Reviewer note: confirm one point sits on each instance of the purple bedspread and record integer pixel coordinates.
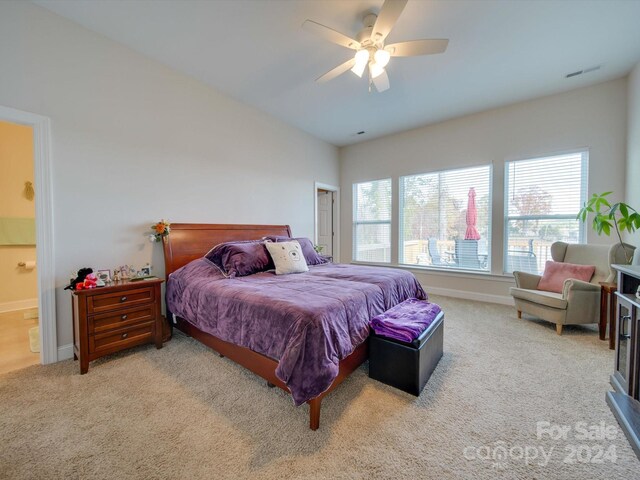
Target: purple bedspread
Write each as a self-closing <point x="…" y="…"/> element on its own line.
<point x="307" y="322"/>
<point x="406" y="321"/>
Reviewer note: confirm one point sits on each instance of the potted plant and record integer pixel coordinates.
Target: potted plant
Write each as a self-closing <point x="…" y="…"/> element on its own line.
<point x="619" y="216"/>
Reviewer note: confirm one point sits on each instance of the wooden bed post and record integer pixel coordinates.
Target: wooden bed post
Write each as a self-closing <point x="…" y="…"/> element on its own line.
<point x="314" y="413"/>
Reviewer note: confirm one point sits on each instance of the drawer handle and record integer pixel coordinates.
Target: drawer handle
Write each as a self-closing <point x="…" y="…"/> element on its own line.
<point x="125" y="335"/>
<point x="123" y="317"/>
<point x="123" y="299"/>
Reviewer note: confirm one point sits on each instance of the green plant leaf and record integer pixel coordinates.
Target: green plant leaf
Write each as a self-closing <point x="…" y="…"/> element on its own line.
<point x="607" y="216"/>
<point x="624" y="211"/>
<point x="622" y="223"/>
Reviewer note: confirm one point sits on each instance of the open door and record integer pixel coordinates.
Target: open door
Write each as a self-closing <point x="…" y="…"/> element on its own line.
<point x="327" y="220"/>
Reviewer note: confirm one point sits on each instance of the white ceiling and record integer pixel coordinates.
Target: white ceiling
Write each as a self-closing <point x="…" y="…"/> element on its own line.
<point x="499" y="52"/>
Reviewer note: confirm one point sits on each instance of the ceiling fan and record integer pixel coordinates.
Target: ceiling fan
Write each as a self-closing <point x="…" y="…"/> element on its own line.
<point x="369" y="45"/>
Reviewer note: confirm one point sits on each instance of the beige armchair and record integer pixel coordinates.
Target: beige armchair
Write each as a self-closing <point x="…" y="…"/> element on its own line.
<point x="579" y="302"/>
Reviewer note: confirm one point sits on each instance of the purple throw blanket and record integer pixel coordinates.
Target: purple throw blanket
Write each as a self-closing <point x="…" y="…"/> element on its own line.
<point x="406" y="321"/>
<point x="307" y="322"/>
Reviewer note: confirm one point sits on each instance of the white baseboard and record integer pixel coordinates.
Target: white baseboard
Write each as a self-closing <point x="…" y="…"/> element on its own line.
<point x="65" y="352"/>
<point x="19" y="305"/>
<point x="480" y="297"/>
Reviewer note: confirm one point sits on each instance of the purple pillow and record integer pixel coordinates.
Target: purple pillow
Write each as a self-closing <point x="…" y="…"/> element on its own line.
<point x="310" y="254"/>
<point x="238" y="259"/>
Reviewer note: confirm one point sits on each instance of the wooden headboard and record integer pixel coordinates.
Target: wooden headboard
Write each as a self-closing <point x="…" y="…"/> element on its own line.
<point x="188" y="241"/>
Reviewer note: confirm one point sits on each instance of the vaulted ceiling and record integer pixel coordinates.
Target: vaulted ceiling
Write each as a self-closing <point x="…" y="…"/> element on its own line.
<point x="255" y="51"/>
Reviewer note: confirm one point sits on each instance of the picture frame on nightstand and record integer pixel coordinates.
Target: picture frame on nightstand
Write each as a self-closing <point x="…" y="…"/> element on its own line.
<point x="104" y="275"/>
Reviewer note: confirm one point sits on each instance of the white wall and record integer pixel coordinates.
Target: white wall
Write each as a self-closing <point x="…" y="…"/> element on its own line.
<point x="632" y="196"/>
<point x="134" y="141"/>
<point x="593" y="117"/>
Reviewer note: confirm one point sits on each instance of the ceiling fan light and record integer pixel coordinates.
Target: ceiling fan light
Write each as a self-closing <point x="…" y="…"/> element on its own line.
<point x="382" y="57"/>
<point x="361" y="58"/>
<point x="375" y="69"/>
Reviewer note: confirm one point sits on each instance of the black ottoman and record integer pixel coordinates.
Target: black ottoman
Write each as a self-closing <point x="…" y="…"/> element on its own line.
<point x="407" y="366"/>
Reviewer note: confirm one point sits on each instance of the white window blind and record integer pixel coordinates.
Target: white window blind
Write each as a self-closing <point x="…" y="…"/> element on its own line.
<point x="372" y="221"/>
<point x="446" y="219"/>
<point x="543" y="197"/>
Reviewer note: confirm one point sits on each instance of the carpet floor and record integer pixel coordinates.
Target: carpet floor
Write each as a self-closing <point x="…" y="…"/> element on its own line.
<point x="182" y="412"/>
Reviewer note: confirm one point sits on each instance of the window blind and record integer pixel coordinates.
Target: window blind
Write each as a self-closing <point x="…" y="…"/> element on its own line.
<point x="543" y="197"/>
<point x="446" y="219"/>
<point x="372" y="221"/>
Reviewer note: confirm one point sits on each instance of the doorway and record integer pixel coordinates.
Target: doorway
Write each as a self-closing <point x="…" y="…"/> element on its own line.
<point x="31" y="255"/>
<point x="20" y="339"/>
<point x="326" y="220"/>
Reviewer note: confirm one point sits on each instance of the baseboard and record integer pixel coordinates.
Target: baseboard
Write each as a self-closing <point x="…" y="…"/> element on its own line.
<point x="19" y="305"/>
<point x="480" y="297"/>
<point x="65" y="352"/>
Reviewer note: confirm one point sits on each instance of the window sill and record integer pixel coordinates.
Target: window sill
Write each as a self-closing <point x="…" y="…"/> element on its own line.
<point x="448" y="272"/>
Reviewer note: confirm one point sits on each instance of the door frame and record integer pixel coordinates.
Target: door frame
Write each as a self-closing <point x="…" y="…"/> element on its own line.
<point x="335" y="215"/>
<point x="44" y="226"/>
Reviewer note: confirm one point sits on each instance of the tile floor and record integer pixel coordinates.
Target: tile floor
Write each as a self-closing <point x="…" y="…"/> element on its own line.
<point x="14" y="341"/>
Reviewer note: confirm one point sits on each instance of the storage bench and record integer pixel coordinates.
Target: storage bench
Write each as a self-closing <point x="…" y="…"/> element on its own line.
<point x="407" y="366"/>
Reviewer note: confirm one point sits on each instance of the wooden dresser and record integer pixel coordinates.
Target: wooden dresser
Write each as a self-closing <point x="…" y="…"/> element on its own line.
<point x="114" y="318"/>
<point x="625" y="400"/>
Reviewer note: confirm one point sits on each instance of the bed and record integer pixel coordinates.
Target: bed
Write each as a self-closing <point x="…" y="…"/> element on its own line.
<point x="304" y="333"/>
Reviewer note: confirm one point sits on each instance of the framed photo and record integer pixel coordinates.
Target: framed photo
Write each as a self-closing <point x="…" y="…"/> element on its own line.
<point x="104" y="275"/>
<point x="124" y="272"/>
<point x="145" y="271"/>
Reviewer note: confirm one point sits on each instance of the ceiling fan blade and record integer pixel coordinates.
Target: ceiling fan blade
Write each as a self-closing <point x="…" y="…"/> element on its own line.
<point x="417" y="47"/>
<point x="339" y="70"/>
<point x="381" y="82"/>
<point x="387" y="18"/>
<point x="330" y="34"/>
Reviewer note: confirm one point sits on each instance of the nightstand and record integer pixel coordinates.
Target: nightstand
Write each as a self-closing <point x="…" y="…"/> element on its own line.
<point x="120" y="316"/>
<point x="608" y="298"/>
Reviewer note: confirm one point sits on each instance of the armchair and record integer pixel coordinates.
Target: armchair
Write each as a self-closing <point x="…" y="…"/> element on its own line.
<point x="579" y="302"/>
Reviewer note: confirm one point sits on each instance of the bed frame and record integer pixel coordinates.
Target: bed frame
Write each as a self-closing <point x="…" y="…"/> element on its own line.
<point x="189" y="241"/>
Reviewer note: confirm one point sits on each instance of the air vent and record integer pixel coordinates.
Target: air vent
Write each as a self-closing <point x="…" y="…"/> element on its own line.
<point x="580" y="72"/>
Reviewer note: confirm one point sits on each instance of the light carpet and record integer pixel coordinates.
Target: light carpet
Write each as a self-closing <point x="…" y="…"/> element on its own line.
<point x="184" y="413"/>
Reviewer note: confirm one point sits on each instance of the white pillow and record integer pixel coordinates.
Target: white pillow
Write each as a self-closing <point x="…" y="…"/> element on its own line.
<point x="287" y="257"/>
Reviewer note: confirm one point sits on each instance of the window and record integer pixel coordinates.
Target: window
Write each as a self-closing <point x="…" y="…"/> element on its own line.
<point x="446" y="219"/>
<point x="543" y="197"/>
<point x="372" y="221"/>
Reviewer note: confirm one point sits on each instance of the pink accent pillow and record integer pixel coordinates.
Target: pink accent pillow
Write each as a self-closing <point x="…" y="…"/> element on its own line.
<point x="555" y="273"/>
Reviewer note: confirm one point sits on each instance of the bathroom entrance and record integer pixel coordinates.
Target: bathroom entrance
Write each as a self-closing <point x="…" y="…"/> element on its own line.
<point x="19" y="322"/>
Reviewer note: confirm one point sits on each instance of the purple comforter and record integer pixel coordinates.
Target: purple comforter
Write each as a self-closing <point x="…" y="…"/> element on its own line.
<point x="308" y="322"/>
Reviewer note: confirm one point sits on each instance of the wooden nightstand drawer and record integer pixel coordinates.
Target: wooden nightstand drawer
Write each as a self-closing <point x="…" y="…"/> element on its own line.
<point x="110" y="301"/>
<point x="121" y="318"/>
<point x="122" y="338"/>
